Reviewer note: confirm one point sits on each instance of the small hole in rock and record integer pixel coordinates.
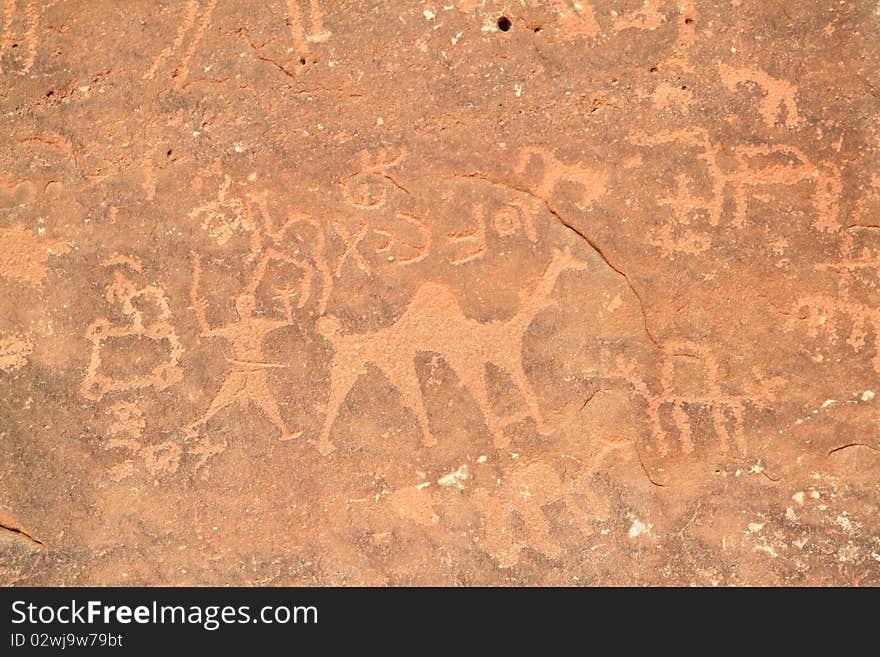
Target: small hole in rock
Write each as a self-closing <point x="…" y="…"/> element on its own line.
<point x="504" y="23"/>
<point x="15" y="45"/>
<point x="653" y="69"/>
<point x="536" y="30"/>
<point x="50" y="93"/>
<point x="302" y="60"/>
<point x="688" y="21"/>
<point x="169" y="152"/>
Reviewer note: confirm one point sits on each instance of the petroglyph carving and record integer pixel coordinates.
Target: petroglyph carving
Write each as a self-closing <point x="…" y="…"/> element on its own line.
<point x="509" y="219"/>
<point x="278" y="251"/>
<point x="525" y="490"/>
<point x="434" y="322"/>
<point x="25" y="254"/>
<point x="779" y="95"/>
<point x="405" y="240"/>
<point x="14" y="352"/>
<point x="149" y="317"/>
<point x="195" y="22"/>
<point x="475" y="238"/>
<point x="786" y="165"/>
<point x="859" y="254"/>
<point x="681" y="400"/>
<point x="689" y="208"/>
<point x="401" y="250"/>
<point x="225" y="215"/>
<point x="127" y="418"/>
<point x="161" y="458"/>
<point x="828" y="316"/>
<point x="367" y="188"/>
<point x="316" y="34"/>
<point x="247" y="381"/>
<point x="20" y="27"/>
<point x="471" y="243"/>
<point x="553" y="172"/>
<point x="351" y="238"/>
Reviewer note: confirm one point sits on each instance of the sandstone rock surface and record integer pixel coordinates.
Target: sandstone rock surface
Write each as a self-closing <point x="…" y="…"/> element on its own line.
<point x="457" y="293"/>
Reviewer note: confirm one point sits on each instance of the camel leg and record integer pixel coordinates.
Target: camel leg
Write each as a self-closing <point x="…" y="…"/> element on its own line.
<point x="342" y="378"/>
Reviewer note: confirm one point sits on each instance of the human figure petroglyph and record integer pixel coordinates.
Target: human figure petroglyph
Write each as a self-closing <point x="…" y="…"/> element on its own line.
<point x="270" y="242"/>
<point x="689" y="208"/>
<point x="434" y="322"/>
<point x="247" y="381"/>
<point x="196" y="19"/>
<point x="27" y="21"/>
<point x="553" y="172"/>
<point x="792" y="167"/>
<point x="779" y="95"/>
<point x="157" y="327"/>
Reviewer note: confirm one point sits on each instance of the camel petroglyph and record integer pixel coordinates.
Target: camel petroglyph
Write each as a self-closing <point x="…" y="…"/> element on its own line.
<point x="434" y="322"/>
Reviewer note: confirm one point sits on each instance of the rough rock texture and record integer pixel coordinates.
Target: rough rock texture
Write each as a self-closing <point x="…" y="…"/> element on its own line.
<point x="313" y="292"/>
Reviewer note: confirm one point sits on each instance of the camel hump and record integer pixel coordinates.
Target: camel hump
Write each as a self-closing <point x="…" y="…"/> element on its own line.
<point x="433" y="300"/>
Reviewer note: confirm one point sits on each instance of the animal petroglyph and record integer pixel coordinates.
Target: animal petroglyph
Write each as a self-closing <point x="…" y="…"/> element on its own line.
<point x="554" y="172"/>
<point x="195" y="22"/>
<point x="434" y="322"/>
<point x="247" y="381"/>
<point x="25" y="254"/>
<point x="725" y="410"/>
<point x="778" y="95"/>
<point x="14" y="352"/>
<point x="149" y="317"/>
<point x="780" y="164"/>
<point x="20" y="23"/>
